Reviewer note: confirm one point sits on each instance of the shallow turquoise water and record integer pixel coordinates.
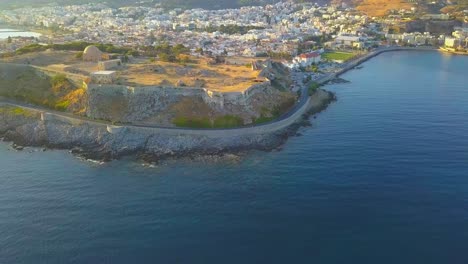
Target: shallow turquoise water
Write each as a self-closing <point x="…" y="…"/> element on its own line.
<point x="381" y="177"/>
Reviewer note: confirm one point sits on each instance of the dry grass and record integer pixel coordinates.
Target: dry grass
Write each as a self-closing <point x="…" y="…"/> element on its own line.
<point x="44" y="58"/>
<point x="381" y="7"/>
<point x="223" y="77"/>
<point x="61" y="61"/>
<point x="226" y="78"/>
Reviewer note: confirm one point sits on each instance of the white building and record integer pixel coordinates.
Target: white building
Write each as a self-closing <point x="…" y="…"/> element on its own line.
<point x="451" y="42"/>
<point x="349" y="41"/>
<point x="305" y="60"/>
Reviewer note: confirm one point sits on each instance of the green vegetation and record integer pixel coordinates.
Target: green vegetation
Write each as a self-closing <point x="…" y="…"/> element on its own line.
<point x="16" y="111"/>
<point x="31" y="48"/>
<point x="62" y="106"/>
<point x="192" y="122"/>
<point x="72" y="46"/>
<point x="279" y="55"/>
<point x="168" y="53"/>
<point x="79" y="55"/>
<point x="311" y="68"/>
<point x="313" y="88"/>
<point x="58" y="80"/>
<point x="263" y="119"/>
<point x="230" y="29"/>
<point x="23" y="83"/>
<point x="268" y="116"/>
<point x="283" y="107"/>
<point x="340" y="56"/>
<point x="81" y="45"/>
<point x="227" y="121"/>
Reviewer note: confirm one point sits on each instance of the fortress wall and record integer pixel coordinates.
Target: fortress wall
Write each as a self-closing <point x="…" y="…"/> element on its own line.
<point x="75" y="79"/>
<point x="128" y="104"/>
<point x="219" y="99"/>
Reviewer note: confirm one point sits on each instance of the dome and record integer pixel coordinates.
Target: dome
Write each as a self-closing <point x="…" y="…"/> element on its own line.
<point x="91" y="50"/>
<point x="92" y="53"/>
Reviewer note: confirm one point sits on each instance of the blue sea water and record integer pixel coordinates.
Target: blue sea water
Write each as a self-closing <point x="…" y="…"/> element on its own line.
<point x="5" y="33"/>
<point x="381" y="177"/>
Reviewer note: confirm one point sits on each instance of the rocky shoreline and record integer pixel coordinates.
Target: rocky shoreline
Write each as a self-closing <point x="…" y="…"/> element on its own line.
<point x="96" y="141"/>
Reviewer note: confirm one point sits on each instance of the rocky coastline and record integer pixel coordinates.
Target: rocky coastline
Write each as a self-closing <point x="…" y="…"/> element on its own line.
<point x="96" y="141"/>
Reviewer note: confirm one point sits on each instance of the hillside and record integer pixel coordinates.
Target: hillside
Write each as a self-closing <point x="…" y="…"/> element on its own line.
<point x="381" y="7"/>
<point x="370" y="7"/>
<point x="208" y="4"/>
<point x="28" y="84"/>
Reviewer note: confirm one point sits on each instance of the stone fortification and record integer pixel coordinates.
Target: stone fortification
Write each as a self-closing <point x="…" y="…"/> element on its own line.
<point x="129" y="104"/>
<point x="220" y="99"/>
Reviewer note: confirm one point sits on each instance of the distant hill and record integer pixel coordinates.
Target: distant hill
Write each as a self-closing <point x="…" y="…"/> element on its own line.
<point x="370" y="7"/>
<point x="381" y="7"/>
<point x="209" y="4"/>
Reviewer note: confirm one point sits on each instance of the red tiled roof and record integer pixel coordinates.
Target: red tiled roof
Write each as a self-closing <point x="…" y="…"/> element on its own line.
<point x="309" y="55"/>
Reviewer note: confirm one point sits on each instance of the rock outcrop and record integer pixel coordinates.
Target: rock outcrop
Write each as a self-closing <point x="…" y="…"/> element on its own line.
<point x="106" y="142"/>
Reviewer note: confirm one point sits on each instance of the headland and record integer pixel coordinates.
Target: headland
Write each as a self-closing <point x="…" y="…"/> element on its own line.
<point x="96" y="138"/>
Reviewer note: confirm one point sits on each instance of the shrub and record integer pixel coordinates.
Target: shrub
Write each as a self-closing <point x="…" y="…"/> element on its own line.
<point x="59" y="82"/>
<point x="16" y="111"/>
<point x="263" y="119"/>
<point x="228" y="121"/>
<point x="192" y="122"/>
<point x="313" y="87"/>
<point x="31" y="48"/>
<point x="63" y="105"/>
<point x="79" y="55"/>
<point x="283" y="107"/>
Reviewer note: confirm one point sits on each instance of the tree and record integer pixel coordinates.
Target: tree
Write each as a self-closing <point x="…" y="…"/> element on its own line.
<point x="164" y="57"/>
<point x="179" y="49"/>
<point x="200" y="51"/>
<point x="79" y="55"/>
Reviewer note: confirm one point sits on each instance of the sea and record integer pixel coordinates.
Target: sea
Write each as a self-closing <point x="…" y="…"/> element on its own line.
<point x="380" y="177"/>
<point x="5" y="33"/>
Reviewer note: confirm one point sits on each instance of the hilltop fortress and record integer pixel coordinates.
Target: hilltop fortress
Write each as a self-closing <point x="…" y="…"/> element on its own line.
<point x="156" y="93"/>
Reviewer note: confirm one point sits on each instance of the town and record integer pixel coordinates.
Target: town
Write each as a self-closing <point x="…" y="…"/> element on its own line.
<point x="227" y="59"/>
<point x="278" y="30"/>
